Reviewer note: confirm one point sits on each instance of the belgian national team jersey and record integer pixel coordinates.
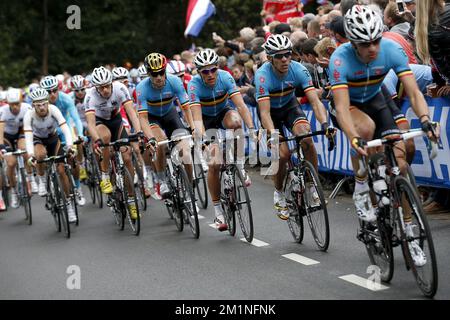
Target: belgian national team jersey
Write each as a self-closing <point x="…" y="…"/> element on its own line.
<point x="212" y="99"/>
<point x="280" y="91"/>
<point x="159" y="102"/>
<point x="362" y="80"/>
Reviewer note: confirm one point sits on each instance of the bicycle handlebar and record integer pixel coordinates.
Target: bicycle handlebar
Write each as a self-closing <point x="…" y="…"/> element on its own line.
<point x="15" y="153"/>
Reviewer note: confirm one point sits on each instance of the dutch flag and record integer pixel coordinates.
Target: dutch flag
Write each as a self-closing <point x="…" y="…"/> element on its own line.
<point x="198" y="12"/>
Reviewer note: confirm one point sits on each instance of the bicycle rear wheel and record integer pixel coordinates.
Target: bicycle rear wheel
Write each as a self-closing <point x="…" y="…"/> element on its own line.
<point x="188" y="202"/>
<point x="200" y="185"/>
<point x="426" y="274"/>
<point x="25" y="196"/>
<point x="242" y="205"/>
<point x="5" y="188"/>
<point x="315" y="206"/>
<point x="61" y="205"/>
<point x="225" y="201"/>
<point x="129" y="192"/>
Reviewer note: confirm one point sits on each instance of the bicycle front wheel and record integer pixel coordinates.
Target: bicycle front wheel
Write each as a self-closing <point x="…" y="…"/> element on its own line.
<point x="226" y="198"/>
<point x="418" y="247"/>
<point x="315" y="206"/>
<point x="131" y="200"/>
<point x="200" y="185"/>
<point x="140" y="183"/>
<point x="25" y="196"/>
<point x="188" y="202"/>
<point x="243" y="206"/>
<point x="62" y="205"/>
<point x="296" y="213"/>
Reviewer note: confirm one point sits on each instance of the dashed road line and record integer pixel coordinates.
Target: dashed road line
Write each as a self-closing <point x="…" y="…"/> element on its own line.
<point x="256" y="243"/>
<point x="300" y="259"/>
<point x="363" y="282"/>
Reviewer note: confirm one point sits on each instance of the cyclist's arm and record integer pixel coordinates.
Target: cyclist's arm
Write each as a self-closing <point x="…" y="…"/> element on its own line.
<point x="92" y="128"/>
<point x="132" y="115"/>
<point x="145" y="126"/>
<point x="242" y="109"/>
<point x="73" y="112"/>
<point x="183" y="102"/>
<point x="196" y="111"/>
<point x="344" y="118"/>
<point x="28" y="134"/>
<point x="418" y="103"/>
<point x="264" y="111"/>
<point x="2" y="130"/>
<point x="188" y="116"/>
<point x="317" y="105"/>
<point x="62" y="125"/>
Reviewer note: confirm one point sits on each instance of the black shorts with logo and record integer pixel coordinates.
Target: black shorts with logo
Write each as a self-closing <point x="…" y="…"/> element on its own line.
<point x="115" y="126"/>
<point x="11" y="140"/>
<point x="216" y="122"/>
<point x="52" y="144"/>
<point x="169" y="123"/>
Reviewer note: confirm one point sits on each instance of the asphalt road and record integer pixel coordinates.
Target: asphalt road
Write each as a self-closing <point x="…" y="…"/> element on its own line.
<point x="164" y="264"/>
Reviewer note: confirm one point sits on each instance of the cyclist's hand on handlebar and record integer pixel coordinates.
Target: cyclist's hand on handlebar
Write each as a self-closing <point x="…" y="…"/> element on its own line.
<point x="32" y="161"/>
<point x="151" y="145"/>
<point x="359" y="144"/>
<point x="98" y="144"/>
<point x="72" y="152"/>
<point x="432" y="129"/>
<point x="253" y="134"/>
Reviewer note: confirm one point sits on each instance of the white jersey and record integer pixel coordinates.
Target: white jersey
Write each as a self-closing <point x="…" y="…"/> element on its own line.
<point x="45" y="127"/>
<point x="13" y="122"/>
<point x="106" y="108"/>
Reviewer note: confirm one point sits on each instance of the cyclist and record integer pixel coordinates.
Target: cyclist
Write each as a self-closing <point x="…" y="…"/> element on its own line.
<point x="276" y="82"/>
<point x="358" y="69"/>
<point x="42" y="140"/>
<point x="210" y="93"/>
<point x="67" y="107"/>
<point x="102" y="106"/>
<point x="78" y="87"/>
<point x="156" y="99"/>
<point x="143" y="72"/>
<point x="11" y="135"/>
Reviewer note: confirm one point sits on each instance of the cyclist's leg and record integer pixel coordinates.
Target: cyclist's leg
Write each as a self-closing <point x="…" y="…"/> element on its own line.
<point x="11" y="162"/>
<point x="40" y="152"/>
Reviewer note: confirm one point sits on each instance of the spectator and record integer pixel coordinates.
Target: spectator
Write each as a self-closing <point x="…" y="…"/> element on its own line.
<point x="272" y="26"/>
<point x="296" y="24"/>
<point x="411" y="6"/>
<point x="432" y="29"/>
<point x="223" y="64"/>
<point x="324" y="49"/>
<point x="319" y="75"/>
<point x="260" y="32"/>
<point x="313" y="29"/>
<point x="187" y="58"/>
<point x="394" y="21"/>
<point x="324" y="9"/>
<point x="306" y="19"/>
<point x="337" y="30"/>
<point x="324" y="25"/>
<point x="283" y="28"/>
<point x="247" y="34"/>
<point x="176" y="57"/>
<point x="239" y="76"/>
<point x="333" y="14"/>
<point x="297" y="37"/>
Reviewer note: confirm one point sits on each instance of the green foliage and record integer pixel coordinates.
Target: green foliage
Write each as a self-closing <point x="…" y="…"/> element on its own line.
<point x="112" y="31"/>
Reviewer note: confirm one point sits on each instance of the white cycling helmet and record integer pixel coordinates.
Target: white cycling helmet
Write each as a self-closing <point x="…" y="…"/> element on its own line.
<point x="363" y="24"/>
<point x="276" y="43"/>
<point x="49" y="83"/>
<point x="205" y="58"/>
<point x="32" y="87"/>
<point x="14" y="95"/>
<point x="120" y="73"/>
<point x="134" y="73"/>
<point x="101" y="76"/>
<point x="175" y="67"/>
<point x="142" y="72"/>
<point x="39" y="94"/>
<point x="77" y="82"/>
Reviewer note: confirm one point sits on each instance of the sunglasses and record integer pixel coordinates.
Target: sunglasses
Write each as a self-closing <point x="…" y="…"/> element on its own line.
<point x="80" y="90"/>
<point x="106" y="86"/>
<point x="159" y="73"/>
<point x="368" y="44"/>
<point x="52" y="91"/>
<point x="208" y="71"/>
<point x="282" y="55"/>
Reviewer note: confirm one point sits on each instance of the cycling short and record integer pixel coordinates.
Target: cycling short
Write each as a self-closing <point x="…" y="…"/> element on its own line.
<point x="399" y="116"/>
<point x="381" y="110"/>
<point x="52" y="144"/>
<point x="115" y="126"/>
<point x="216" y="122"/>
<point x="11" y="140"/>
<point x="169" y="123"/>
<point x="288" y="116"/>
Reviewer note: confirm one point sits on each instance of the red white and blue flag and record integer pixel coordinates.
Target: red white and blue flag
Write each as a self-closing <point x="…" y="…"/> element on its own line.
<point x="198" y="12"/>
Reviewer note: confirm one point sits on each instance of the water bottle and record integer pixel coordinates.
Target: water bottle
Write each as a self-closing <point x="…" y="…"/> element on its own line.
<point x="380" y="187"/>
<point x="227" y="181"/>
<point x="294" y="181"/>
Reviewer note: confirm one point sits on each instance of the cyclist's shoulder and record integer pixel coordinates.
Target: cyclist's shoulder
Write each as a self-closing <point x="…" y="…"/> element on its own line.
<point x="344" y="52"/>
<point x="196" y="83"/>
<point x="265" y="69"/>
<point x="144" y="85"/>
<point x="174" y="81"/>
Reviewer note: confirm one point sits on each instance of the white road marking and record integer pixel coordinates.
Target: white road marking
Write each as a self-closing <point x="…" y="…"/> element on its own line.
<point x="363" y="282"/>
<point x="213" y="225"/>
<point x="300" y="259"/>
<point x="200" y="217"/>
<point x="256" y="242"/>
